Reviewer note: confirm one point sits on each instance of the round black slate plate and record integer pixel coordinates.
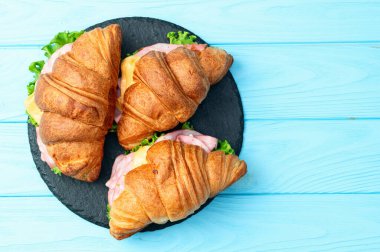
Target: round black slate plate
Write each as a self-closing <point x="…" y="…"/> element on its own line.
<point x="220" y="115"/>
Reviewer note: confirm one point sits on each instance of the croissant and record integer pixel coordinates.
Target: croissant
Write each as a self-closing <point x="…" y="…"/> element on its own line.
<point x="77" y="97"/>
<point x="176" y="179"/>
<point x="163" y="89"/>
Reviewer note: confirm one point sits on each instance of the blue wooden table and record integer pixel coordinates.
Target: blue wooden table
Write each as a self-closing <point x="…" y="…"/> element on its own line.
<point x="309" y="76"/>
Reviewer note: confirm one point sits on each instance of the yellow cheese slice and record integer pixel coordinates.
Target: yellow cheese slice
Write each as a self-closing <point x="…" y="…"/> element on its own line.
<point x="127" y="68"/>
<point x="32" y="108"/>
<point x="139" y="157"/>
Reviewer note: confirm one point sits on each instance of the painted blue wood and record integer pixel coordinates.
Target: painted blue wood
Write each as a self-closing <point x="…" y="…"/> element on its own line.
<point x="217" y="21"/>
<point x="309" y="79"/>
<point x="229" y="223"/>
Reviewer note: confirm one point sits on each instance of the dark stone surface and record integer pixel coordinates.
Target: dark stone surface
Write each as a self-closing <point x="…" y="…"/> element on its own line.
<point x="220" y="115"/>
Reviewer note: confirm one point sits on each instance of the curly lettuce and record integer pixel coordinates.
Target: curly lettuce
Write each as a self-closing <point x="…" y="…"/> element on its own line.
<point x="187" y="125"/>
<point x="57" y="42"/>
<point x="132" y="53"/>
<point x="56" y="171"/>
<point x="181" y="38"/>
<point x="108" y="212"/>
<point x="113" y="128"/>
<point x="35" y="68"/>
<point x="61" y="39"/>
<point x="31" y="120"/>
<point x="145" y="142"/>
<point x="224" y="145"/>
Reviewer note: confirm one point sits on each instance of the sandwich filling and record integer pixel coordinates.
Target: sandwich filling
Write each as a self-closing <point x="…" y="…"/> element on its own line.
<point x="125" y="163"/>
<point x="30" y="105"/>
<point x="34" y="110"/>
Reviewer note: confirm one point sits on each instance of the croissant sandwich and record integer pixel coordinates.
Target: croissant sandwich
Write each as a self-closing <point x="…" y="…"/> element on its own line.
<point x="74" y="101"/>
<point x="163" y="84"/>
<point x="168" y="180"/>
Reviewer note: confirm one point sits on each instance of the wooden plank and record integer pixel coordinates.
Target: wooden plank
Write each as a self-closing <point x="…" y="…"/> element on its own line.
<point x="19" y="173"/>
<point x="283" y="157"/>
<point x="275" y="82"/>
<point x="309" y="81"/>
<point x="326" y="156"/>
<point x="15" y="76"/>
<point x="226" y="21"/>
<point x="229" y="223"/>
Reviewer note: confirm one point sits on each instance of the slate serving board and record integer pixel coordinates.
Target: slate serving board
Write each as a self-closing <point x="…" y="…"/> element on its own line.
<point x="220" y="115"/>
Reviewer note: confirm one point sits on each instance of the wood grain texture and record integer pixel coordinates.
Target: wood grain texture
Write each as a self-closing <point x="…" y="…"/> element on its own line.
<point x="19" y="174"/>
<point x="282" y="156"/>
<point x="15" y="76"/>
<point x="309" y="81"/>
<point x="229" y="223"/>
<point x="305" y="70"/>
<point x="275" y="81"/>
<point x="227" y="21"/>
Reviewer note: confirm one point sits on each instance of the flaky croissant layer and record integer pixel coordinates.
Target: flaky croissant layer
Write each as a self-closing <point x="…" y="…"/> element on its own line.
<point x="174" y="182"/>
<point x="77" y="93"/>
<point x="162" y="89"/>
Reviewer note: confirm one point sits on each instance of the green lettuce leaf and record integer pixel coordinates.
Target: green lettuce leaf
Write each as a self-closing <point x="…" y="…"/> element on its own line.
<point x="35" y="68"/>
<point x="132" y="53"/>
<point x="187" y="125"/>
<point x="108" y="211"/>
<point x="31" y="120"/>
<point x="56" y="170"/>
<point x="181" y="38"/>
<point x="225" y="147"/>
<point x="57" y="42"/>
<point x="145" y="142"/>
<point x="60" y="40"/>
<point x="113" y="128"/>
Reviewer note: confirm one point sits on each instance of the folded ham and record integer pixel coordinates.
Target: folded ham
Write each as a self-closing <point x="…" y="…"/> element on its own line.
<point x="45" y="156"/>
<point x="168" y="181"/>
<point x="163" y="84"/>
<point x="48" y="68"/>
<point x="167" y="48"/>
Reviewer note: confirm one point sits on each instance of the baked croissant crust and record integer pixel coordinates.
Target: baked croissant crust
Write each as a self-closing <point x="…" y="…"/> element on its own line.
<point x="167" y="89"/>
<point x="177" y="179"/>
<point x="78" y="102"/>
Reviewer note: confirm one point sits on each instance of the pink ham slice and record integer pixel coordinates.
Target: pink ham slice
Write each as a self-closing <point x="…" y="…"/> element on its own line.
<point x="123" y="163"/>
<point x="48" y="67"/>
<point x="164" y="47"/>
<point x="208" y="143"/>
<point x="117" y="115"/>
<point x="44" y="153"/>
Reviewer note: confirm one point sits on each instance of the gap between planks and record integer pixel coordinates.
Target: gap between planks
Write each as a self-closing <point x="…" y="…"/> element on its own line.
<point x="226" y="195"/>
<point x="5" y="121"/>
<point x="279" y="43"/>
